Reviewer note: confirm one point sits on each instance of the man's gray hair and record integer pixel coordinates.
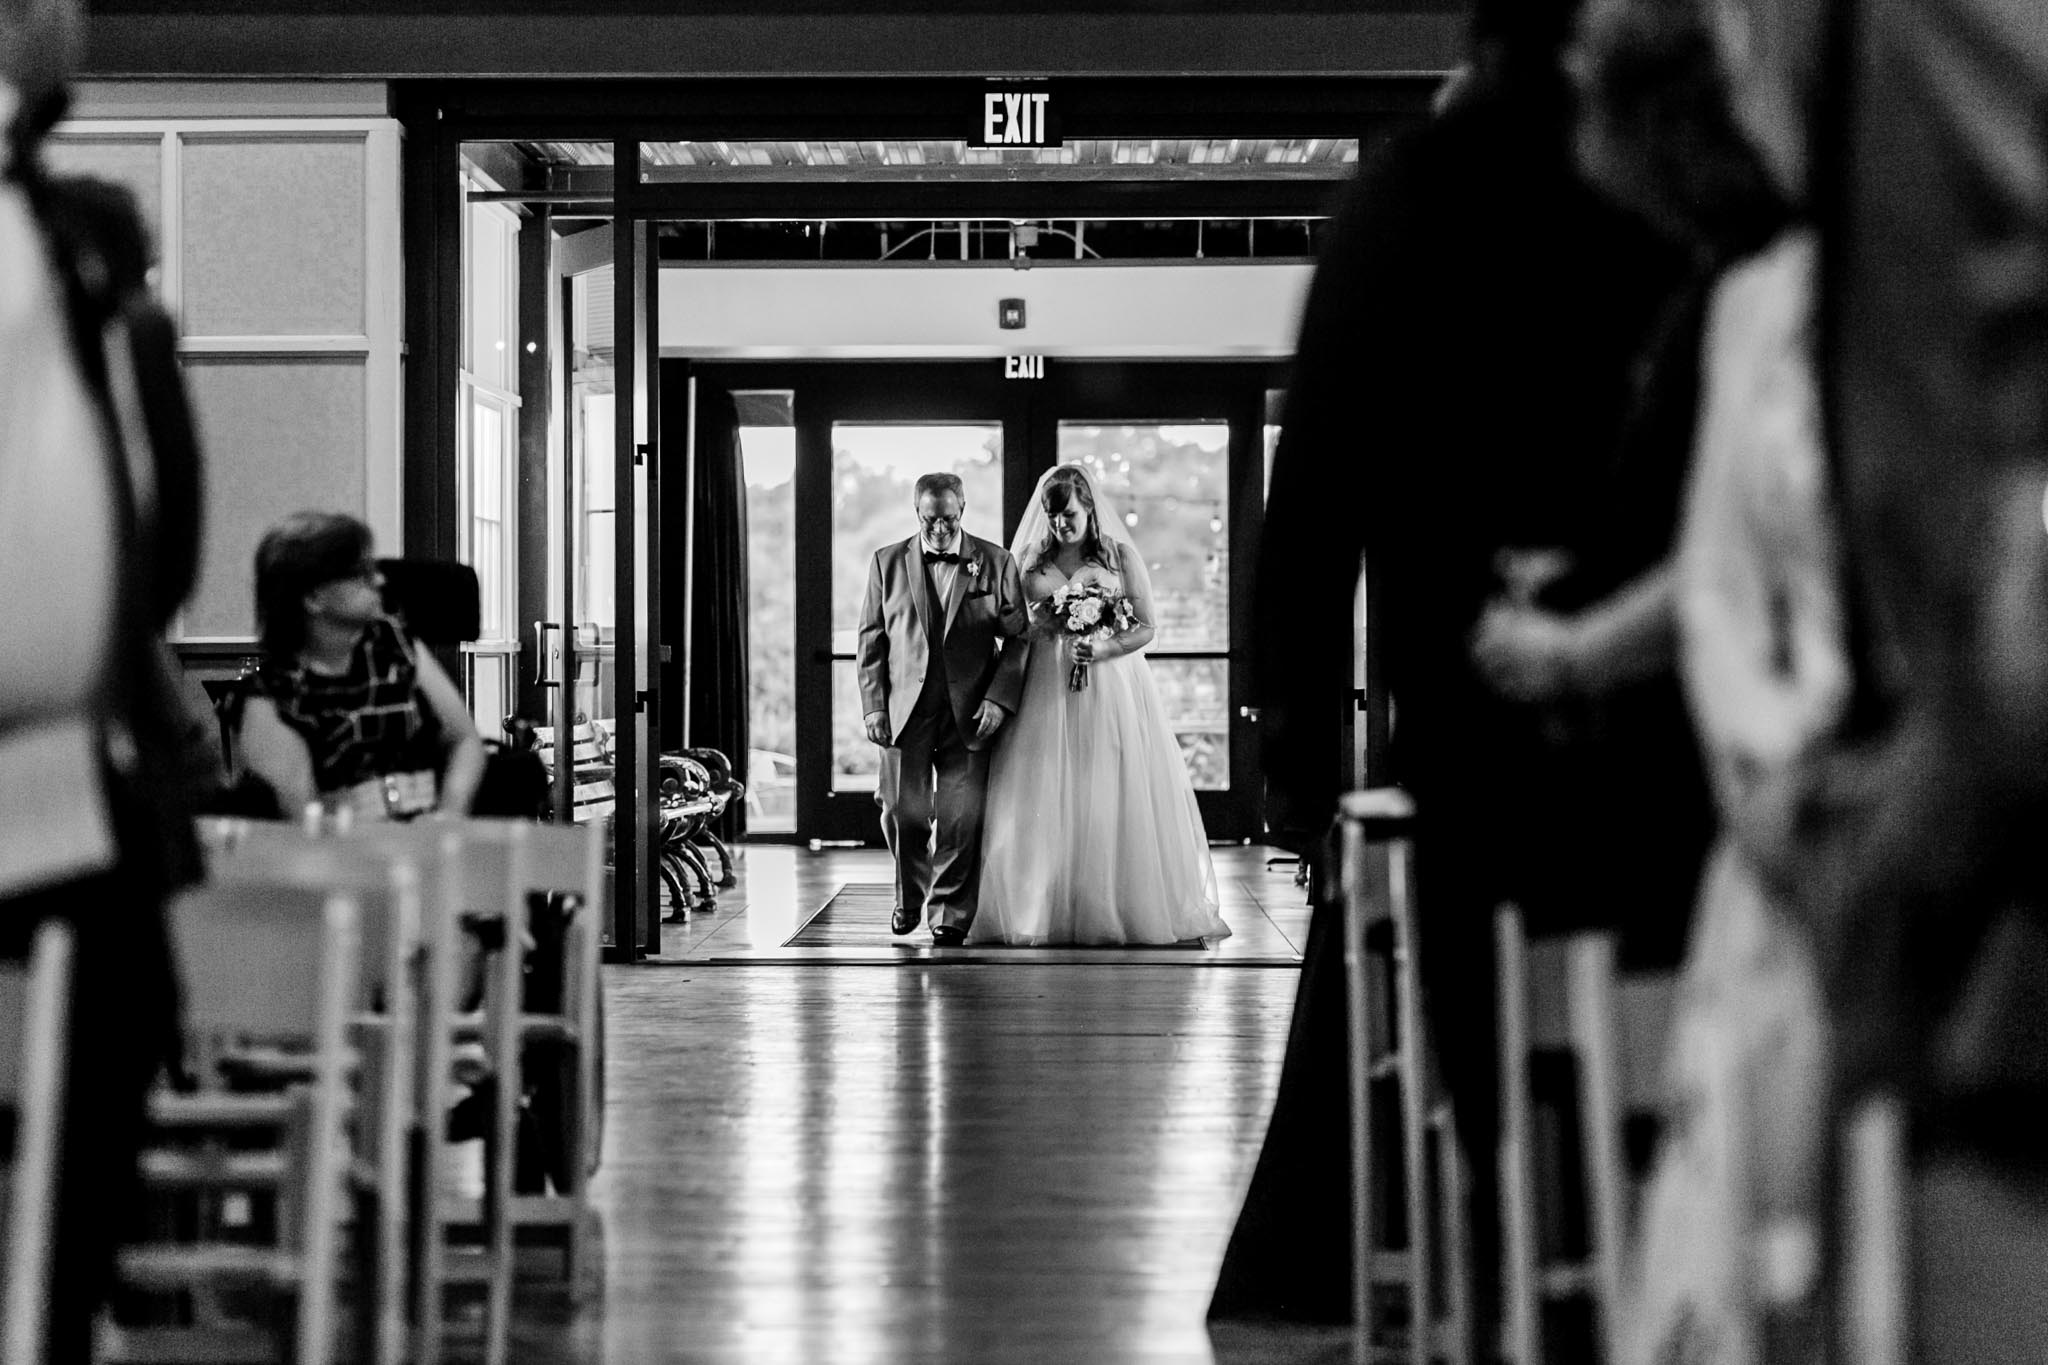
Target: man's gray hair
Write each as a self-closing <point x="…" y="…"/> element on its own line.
<point x="939" y="483"/>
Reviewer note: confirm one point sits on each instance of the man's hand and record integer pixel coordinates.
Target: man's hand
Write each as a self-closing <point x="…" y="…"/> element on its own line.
<point x="988" y="718"/>
<point x="878" y="727"/>
<point x="1524" y="653"/>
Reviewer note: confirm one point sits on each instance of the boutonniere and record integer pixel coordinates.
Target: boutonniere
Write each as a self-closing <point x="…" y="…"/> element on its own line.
<point x="972" y="568"/>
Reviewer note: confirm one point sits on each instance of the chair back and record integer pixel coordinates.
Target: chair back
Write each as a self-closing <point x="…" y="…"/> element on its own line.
<point x="34" y="1012"/>
<point x="265" y="960"/>
<point x="385" y="883"/>
<point x="267" y="963"/>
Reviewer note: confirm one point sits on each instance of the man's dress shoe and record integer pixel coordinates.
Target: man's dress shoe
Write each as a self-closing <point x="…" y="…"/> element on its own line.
<point x="948" y="936"/>
<point x="901" y="921"/>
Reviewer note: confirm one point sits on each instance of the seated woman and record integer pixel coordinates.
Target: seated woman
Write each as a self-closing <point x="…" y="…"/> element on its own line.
<point x="344" y="710"/>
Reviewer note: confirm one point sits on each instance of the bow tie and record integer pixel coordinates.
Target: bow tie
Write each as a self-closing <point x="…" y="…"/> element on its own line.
<point x="935" y="557"/>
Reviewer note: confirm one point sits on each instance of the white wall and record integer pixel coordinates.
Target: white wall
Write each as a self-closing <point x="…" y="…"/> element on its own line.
<point x="1192" y="310"/>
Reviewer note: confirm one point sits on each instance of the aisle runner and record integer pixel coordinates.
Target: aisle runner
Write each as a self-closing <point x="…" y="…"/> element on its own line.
<point x="858" y="917"/>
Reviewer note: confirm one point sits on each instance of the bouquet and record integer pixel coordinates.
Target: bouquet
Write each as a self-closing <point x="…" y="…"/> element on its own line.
<point x="1090" y="609"/>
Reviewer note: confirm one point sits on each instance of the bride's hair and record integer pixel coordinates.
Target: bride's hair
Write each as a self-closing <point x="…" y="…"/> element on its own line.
<point x="1066" y="485"/>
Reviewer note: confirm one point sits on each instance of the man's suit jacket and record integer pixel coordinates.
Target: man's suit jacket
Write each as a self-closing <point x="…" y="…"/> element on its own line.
<point x="982" y="634"/>
<point x="1460" y="385"/>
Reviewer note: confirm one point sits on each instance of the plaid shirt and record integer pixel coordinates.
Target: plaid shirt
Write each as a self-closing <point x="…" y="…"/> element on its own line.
<point x="366" y="723"/>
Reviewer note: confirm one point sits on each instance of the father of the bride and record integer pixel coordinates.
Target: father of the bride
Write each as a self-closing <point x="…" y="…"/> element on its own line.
<point x="942" y="653"/>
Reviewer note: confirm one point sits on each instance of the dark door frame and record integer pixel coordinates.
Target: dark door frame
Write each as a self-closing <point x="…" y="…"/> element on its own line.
<point x="830" y="391"/>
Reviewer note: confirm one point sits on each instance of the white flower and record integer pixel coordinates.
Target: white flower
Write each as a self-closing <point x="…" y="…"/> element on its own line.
<point x="1086" y="613"/>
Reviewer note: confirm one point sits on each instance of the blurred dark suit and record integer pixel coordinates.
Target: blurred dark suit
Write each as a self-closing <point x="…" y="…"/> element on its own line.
<point x="1460" y="385"/>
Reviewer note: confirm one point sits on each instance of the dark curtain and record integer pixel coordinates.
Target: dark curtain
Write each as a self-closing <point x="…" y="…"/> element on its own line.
<point x="718" y="561"/>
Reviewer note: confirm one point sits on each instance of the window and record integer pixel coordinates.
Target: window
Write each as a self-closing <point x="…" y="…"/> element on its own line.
<point x="489" y="439"/>
<point x="1170" y="482"/>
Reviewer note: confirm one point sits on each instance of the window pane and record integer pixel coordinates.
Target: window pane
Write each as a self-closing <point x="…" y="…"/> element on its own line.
<point x="856" y="762"/>
<point x="769" y="457"/>
<point x="490" y="577"/>
<point x="487" y="448"/>
<point x="486" y="509"/>
<point x="1197" y="696"/>
<point x="874" y="469"/>
<point x="488" y="693"/>
<point x="493" y="303"/>
<point x="1171" y="483"/>
<point x="595" y="478"/>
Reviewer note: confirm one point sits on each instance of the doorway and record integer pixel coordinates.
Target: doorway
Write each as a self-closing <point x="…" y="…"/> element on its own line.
<point x="832" y="451"/>
<point x="1164" y="169"/>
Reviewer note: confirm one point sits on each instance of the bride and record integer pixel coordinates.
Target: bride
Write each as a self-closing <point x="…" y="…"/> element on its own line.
<point x="1092" y="832"/>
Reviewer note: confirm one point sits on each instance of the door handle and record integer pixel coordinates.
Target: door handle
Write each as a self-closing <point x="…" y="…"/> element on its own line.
<point x="1250" y="713"/>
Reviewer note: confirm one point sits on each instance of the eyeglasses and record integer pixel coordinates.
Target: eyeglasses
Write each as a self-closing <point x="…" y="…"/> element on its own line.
<point x="934" y="523"/>
<point x="364" y="572"/>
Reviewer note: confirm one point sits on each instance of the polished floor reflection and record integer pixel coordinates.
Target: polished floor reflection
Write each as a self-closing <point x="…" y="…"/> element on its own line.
<point x="982" y="1162"/>
<point x="780" y="887"/>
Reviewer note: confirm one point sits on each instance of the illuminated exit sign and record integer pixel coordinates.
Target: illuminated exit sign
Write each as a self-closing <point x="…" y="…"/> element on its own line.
<point x="1023" y="367"/>
<point x="1016" y="118"/>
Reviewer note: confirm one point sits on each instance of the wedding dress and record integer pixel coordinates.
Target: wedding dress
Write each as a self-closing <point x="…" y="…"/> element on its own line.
<point x="1729" y="1224"/>
<point x="1092" y="834"/>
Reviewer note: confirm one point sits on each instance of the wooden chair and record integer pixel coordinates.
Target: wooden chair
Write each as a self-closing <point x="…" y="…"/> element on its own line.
<point x="35" y="1005"/>
<point x="446" y="895"/>
<point x="1875" y="1279"/>
<point x="480" y="876"/>
<point x="488" y="872"/>
<point x="384" y="1027"/>
<point x="1389" y="1042"/>
<point x="1567" y="994"/>
<point x="264" y="966"/>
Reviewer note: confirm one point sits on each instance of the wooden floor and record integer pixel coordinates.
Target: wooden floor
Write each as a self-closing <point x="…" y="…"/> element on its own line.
<point x="815" y="1160"/>
<point x="781" y="887"/>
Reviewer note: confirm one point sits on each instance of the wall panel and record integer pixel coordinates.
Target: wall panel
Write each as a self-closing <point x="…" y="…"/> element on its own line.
<point x="279" y="242"/>
<point x="273" y="236"/>
<point x="283" y="434"/>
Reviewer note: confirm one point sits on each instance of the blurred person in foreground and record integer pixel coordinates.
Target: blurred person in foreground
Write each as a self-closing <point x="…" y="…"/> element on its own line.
<point x="1933" y="920"/>
<point x="344" y="709"/>
<point x="98" y="512"/>
<point x="1698" y="114"/>
<point x="1459" y="388"/>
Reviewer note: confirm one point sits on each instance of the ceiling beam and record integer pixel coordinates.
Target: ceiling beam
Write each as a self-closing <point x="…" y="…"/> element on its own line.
<point x="468" y="38"/>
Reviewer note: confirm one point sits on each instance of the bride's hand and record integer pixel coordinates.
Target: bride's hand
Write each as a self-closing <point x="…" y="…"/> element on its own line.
<point x="1089" y="650"/>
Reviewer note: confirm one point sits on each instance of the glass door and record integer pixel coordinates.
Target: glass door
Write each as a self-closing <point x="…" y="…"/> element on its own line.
<point x="874" y="470"/>
<point x="832" y="454"/>
<point x="1180" y="449"/>
<point x="603" y="536"/>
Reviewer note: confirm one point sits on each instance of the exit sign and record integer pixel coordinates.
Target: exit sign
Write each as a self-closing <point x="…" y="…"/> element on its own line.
<point x="1016" y="118"/>
<point x="1023" y="367"/>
